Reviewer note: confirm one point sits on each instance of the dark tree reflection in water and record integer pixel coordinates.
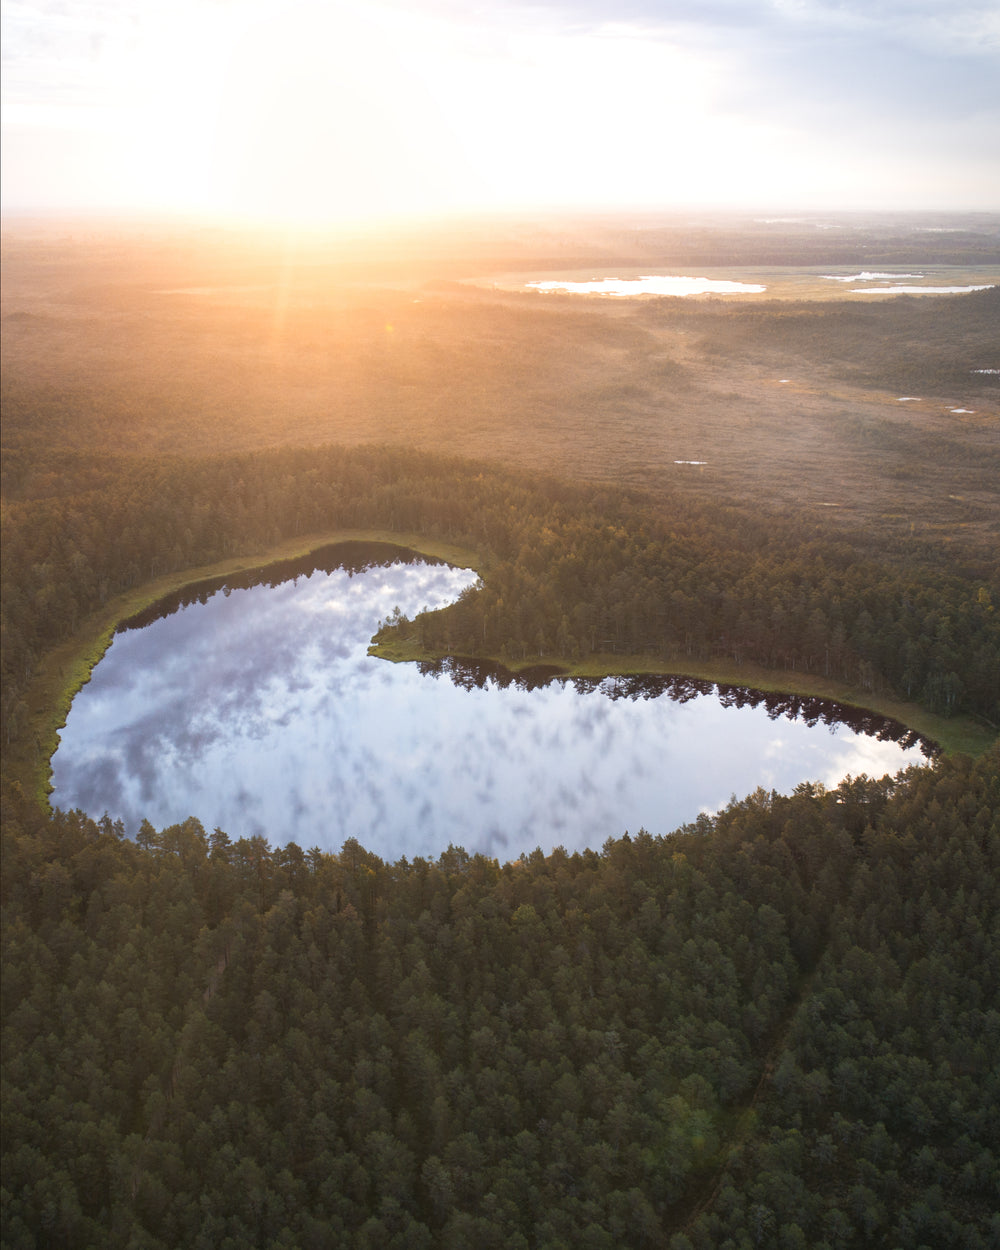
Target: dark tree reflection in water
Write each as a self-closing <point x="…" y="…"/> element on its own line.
<point x="254" y="705"/>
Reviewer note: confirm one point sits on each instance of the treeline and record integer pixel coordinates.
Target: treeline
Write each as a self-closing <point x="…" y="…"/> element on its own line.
<point x="868" y="245"/>
<point x="811" y="710"/>
<point x="862" y="1137"/>
<point x="693" y="587"/>
<point x="218" y="1044"/>
<point x="571" y="570"/>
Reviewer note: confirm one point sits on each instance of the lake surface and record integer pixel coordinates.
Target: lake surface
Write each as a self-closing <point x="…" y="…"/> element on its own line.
<point x="650" y="284"/>
<point x="256" y="708"/>
<point x="896" y="284"/>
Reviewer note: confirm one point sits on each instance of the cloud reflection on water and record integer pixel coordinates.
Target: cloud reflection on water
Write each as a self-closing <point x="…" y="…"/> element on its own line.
<point x="260" y="711"/>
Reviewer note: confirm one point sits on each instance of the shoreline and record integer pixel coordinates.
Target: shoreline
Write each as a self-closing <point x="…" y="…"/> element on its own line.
<point x="63" y="671"/>
<point x="955" y="735"/>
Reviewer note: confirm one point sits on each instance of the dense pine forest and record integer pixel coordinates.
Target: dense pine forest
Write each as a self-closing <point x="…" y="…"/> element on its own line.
<point x="776" y="1027"/>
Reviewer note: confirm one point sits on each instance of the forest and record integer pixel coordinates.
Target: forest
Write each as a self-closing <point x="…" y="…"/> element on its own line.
<point x="774" y="1027"/>
<point x="777" y="1026"/>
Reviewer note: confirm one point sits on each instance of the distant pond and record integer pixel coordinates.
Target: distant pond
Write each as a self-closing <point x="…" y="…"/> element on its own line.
<point x="252" y="704"/>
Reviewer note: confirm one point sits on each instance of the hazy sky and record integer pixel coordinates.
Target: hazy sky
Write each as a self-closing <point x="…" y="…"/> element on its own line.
<point x="322" y="110"/>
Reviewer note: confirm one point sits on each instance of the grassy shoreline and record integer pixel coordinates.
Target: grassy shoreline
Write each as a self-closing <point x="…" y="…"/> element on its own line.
<point x="955" y="735"/>
<point x="63" y="671"/>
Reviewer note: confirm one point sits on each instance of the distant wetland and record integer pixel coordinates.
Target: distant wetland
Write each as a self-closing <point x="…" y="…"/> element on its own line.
<point x="741" y="283"/>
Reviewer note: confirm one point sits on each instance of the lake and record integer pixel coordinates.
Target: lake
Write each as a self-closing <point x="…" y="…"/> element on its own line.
<point x="650" y="284"/>
<point x="252" y="704"/>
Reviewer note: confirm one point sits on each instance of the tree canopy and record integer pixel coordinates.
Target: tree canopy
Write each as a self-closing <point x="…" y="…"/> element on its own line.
<point x="775" y="1026"/>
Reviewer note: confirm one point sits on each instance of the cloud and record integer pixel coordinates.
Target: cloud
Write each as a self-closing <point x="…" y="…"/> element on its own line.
<point x="930" y="23"/>
<point x="58" y="54"/>
<point x="932" y="54"/>
<point x="401" y="106"/>
<point x="868" y="102"/>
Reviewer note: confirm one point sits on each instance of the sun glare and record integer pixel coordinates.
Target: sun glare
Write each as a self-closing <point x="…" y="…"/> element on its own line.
<point x="318" y="113"/>
<point x="359" y="113"/>
<point x="322" y="116"/>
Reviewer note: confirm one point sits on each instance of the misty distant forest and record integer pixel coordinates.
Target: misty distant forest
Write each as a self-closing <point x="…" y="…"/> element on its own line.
<point x="777" y="1026"/>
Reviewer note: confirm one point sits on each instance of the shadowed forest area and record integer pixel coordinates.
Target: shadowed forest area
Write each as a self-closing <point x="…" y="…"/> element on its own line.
<point x="777" y="1026"/>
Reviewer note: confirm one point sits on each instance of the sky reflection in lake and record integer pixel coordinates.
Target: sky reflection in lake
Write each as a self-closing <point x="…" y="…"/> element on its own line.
<point x="260" y="711"/>
<point x="651" y="284"/>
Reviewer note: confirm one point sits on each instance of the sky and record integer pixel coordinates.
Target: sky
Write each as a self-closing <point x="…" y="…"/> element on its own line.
<point x="318" y="111"/>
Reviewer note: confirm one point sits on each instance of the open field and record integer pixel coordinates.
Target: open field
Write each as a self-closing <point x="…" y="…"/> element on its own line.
<point x="850" y="411"/>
